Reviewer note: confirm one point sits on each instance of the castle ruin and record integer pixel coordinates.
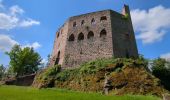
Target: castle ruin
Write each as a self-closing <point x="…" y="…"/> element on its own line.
<point x="101" y="34"/>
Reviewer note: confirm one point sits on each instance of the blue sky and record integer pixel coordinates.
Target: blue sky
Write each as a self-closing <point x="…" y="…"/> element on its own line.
<point x="34" y="23"/>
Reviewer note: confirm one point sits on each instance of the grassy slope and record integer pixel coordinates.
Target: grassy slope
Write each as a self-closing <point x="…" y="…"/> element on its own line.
<point x="27" y="93"/>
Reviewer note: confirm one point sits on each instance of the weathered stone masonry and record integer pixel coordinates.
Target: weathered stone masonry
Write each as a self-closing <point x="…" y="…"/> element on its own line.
<point x="94" y="35"/>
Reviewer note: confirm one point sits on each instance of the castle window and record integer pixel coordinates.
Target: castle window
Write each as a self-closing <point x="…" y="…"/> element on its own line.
<point x="90" y="35"/>
<point x="74" y="24"/>
<point x="93" y="21"/>
<point x="71" y="37"/>
<point x="82" y="22"/>
<point x="81" y="36"/>
<point x="103" y="18"/>
<point x="127" y="35"/>
<point x="103" y="33"/>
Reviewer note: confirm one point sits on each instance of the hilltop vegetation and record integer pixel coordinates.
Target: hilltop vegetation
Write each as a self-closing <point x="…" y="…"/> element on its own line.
<point x="126" y="76"/>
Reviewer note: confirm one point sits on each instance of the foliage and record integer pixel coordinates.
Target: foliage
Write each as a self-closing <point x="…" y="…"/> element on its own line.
<point x="94" y="66"/>
<point x="161" y="69"/>
<point x="23" y="60"/>
<point x="28" y="93"/>
<point x="126" y="76"/>
<point x="50" y="72"/>
<point x="126" y="16"/>
<point x="64" y="75"/>
<point x="2" y="71"/>
<point x="46" y="78"/>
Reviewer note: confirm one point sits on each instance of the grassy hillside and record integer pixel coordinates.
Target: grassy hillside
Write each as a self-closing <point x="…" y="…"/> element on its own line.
<point x="126" y="76"/>
<point x="27" y="93"/>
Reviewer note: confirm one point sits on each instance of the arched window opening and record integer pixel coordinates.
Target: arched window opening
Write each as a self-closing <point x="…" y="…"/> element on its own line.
<point x="127" y="36"/>
<point x="58" y="58"/>
<point x="103" y="33"/>
<point x="71" y="37"/>
<point x="103" y="18"/>
<point x="58" y="55"/>
<point x="74" y="24"/>
<point x="81" y="52"/>
<point x="82" y="22"/>
<point x="81" y="36"/>
<point x="93" y="21"/>
<point x="90" y="35"/>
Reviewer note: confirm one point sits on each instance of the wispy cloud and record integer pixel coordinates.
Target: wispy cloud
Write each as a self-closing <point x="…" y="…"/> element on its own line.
<point x="34" y="45"/>
<point x="12" y="18"/>
<point x="29" y="22"/>
<point x="151" y="24"/>
<point x="6" y="42"/>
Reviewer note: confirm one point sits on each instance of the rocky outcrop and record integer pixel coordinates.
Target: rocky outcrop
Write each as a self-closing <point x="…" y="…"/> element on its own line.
<point x="108" y="76"/>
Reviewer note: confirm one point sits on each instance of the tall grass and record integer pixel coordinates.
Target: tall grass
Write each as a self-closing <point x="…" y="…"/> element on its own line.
<point x="28" y="93"/>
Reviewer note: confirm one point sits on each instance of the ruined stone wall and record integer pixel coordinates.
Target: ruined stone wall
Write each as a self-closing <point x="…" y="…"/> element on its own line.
<point x="101" y="34"/>
<point x="26" y="80"/>
<point x="59" y="45"/>
<point x="124" y="43"/>
<point x="79" y="51"/>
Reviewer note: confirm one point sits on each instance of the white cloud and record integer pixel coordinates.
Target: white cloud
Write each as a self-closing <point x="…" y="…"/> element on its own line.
<point x="14" y="10"/>
<point x="34" y="45"/>
<point x="151" y="24"/>
<point x="6" y="42"/>
<point x="166" y="56"/>
<point x="29" y="22"/>
<point x="8" y="22"/>
<point x="13" y="18"/>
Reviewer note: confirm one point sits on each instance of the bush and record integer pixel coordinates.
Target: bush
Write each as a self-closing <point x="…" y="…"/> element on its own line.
<point x="47" y="77"/>
<point x="64" y="75"/>
<point x="161" y="69"/>
<point x="94" y="66"/>
<point x="50" y="72"/>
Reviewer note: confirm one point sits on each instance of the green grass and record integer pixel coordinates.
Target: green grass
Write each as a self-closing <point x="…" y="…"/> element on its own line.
<point x="28" y="93"/>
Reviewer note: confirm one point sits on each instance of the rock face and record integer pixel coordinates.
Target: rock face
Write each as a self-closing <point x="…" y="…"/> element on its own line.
<point x="112" y="77"/>
<point x="94" y="35"/>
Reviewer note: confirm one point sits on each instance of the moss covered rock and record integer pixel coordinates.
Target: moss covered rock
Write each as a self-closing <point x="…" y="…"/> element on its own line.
<point x="127" y="76"/>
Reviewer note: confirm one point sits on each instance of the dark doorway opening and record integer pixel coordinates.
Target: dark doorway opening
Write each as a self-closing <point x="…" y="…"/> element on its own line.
<point x="58" y="58"/>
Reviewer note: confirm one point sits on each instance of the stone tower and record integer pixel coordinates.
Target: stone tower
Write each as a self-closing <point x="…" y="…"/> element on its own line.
<point x="100" y="34"/>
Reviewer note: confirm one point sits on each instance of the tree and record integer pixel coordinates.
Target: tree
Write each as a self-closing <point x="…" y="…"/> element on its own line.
<point x="2" y="71"/>
<point x="23" y="61"/>
<point x="161" y="69"/>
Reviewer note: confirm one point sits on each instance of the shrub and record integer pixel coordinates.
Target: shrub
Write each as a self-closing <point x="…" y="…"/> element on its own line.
<point x="46" y="78"/>
<point x="50" y="72"/>
<point x="64" y="75"/>
<point x="161" y="69"/>
<point x="94" y="66"/>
